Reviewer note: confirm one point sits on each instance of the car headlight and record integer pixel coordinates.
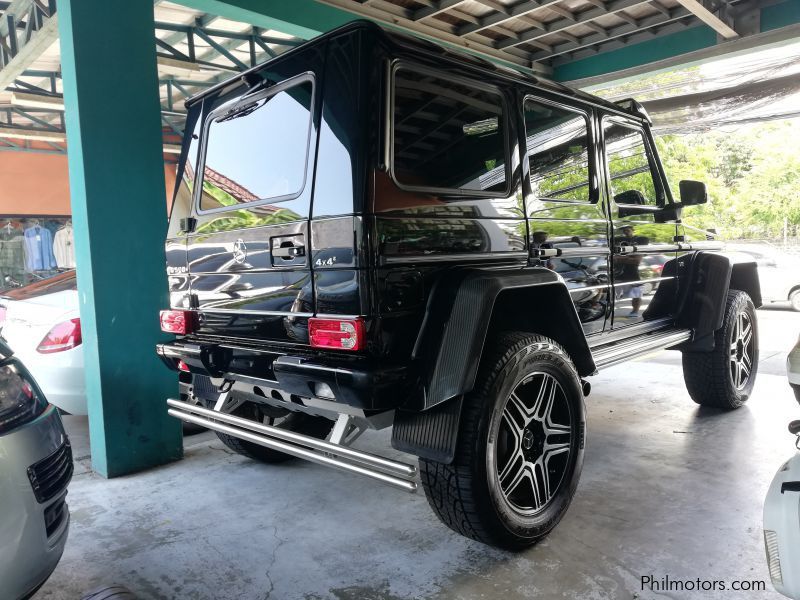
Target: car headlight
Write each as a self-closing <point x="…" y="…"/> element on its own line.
<point x="20" y="399"/>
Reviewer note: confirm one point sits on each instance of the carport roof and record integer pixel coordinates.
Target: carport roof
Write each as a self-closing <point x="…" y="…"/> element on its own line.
<point x="542" y="34"/>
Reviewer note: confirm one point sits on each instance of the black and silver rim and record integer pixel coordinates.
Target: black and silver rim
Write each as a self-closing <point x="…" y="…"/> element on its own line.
<point x="741" y="351"/>
<point x="529" y="451"/>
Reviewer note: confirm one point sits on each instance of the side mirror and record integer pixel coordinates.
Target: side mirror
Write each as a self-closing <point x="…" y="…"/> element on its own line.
<point x="693" y="192"/>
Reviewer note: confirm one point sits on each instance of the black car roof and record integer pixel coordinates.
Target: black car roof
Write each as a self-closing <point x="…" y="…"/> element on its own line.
<point x="423" y="45"/>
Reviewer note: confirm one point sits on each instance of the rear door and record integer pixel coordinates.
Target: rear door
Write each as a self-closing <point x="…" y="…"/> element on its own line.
<point x="247" y="258"/>
<point x="567" y="222"/>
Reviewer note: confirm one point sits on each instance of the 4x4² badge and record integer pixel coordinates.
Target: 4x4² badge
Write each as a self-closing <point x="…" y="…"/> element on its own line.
<point x="239" y="251"/>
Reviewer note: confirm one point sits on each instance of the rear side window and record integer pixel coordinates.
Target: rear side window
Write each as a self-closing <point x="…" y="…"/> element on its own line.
<point x="558" y="150"/>
<point x="256" y="149"/>
<point x="447" y="135"/>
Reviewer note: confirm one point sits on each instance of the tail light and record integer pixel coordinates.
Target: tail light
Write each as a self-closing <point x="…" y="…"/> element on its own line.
<point x="2" y="315"/>
<point x="336" y="334"/>
<point x="64" y="336"/>
<point x="180" y="322"/>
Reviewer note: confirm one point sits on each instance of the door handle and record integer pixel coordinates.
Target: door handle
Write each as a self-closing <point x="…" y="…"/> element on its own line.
<point x="289" y="251"/>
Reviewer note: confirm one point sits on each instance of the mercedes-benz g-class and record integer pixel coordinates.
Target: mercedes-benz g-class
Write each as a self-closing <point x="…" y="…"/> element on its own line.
<point x="373" y="231"/>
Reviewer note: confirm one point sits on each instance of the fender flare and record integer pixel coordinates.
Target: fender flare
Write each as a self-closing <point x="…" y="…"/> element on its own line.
<point x="460" y="310"/>
<point x="702" y="299"/>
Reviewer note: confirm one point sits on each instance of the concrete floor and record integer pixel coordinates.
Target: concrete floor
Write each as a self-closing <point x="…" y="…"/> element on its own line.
<point x="668" y="489"/>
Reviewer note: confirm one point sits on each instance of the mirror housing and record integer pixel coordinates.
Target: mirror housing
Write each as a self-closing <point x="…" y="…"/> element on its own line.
<point x="693" y="192"/>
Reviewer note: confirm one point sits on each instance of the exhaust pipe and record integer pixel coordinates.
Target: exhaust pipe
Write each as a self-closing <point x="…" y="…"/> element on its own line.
<point x="396" y="474"/>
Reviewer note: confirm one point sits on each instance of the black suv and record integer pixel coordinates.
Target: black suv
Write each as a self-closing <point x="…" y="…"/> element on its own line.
<point x="371" y="230"/>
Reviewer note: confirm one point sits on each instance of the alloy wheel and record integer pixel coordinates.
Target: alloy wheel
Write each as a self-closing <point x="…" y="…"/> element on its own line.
<point x="741" y="351"/>
<point x="533" y="442"/>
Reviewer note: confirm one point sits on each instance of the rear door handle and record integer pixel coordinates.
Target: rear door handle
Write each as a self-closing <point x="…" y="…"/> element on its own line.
<point x="289" y="251"/>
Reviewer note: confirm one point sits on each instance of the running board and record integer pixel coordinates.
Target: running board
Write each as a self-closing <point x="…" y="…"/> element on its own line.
<point x="614" y="353"/>
<point x="396" y="474"/>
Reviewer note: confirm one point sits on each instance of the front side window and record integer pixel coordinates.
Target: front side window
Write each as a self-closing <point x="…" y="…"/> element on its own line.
<point x="257" y="148"/>
<point x="558" y="151"/>
<point x="629" y="166"/>
<point x="447" y="135"/>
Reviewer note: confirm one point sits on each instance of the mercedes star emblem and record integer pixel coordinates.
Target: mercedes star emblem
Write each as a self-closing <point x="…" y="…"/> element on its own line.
<point x="239" y="251"/>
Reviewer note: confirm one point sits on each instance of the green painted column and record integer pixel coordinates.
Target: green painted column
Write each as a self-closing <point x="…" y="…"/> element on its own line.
<point x="116" y="178"/>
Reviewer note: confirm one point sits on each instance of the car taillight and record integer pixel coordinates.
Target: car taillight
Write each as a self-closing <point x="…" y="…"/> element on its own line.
<point x="336" y="334"/>
<point x="181" y="322"/>
<point x="2" y="315"/>
<point x="64" y="336"/>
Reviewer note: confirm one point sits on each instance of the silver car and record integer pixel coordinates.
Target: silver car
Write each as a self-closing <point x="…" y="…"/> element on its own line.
<point x="35" y="468"/>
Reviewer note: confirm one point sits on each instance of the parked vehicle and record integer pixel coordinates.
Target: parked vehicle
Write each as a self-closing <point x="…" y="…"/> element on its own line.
<point x="35" y="469"/>
<point x="778" y="272"/>
<point x="782" y="507"/>
<point x="793" y="369"/>
<point x="41" y="323"/>
<point x="371" y="230"/>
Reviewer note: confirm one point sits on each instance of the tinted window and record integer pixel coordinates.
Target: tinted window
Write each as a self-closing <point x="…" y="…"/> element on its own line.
<point x="558" y="141"/>
<point x="629" y="166"/>
<point x="447" y="135"/>
<point x="257" y="149"/>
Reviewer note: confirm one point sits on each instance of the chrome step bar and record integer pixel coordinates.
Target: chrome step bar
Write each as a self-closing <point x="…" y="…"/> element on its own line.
<point x="612" y="354"/>
<point x="391" y="472"/>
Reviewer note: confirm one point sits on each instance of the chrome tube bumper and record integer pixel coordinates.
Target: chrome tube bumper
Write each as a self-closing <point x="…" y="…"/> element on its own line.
<point x="394" y="473"/>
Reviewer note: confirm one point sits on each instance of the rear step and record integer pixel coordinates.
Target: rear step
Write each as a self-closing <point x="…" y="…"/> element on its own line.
<point x="617" y="352"/>
<point x="396" y="474"/>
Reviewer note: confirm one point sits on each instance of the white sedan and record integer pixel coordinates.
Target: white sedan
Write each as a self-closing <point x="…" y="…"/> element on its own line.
<point x="41" y="324"/>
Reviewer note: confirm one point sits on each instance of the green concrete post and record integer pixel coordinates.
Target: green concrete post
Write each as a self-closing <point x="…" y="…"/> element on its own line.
<point x="116" y="177"/>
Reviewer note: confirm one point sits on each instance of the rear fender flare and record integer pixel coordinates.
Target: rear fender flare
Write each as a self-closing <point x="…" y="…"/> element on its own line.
<point x="464" y="305"/>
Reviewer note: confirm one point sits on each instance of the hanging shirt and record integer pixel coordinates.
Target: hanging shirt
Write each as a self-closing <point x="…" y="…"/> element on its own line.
<point x="64" y="248"/>
<point x="39" y="249"/>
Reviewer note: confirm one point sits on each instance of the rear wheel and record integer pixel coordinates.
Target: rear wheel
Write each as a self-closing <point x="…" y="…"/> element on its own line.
<point x="317" y="427"/>
<point x="724" y="377"/>
<point x="520" y="446"/>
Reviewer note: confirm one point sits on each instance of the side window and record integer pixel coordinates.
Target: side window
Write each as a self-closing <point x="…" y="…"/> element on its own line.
<point x="257" y="149"/>
<point x="447" y="135"/>
<point x="629" y="165"/>
<point x="558" y="150"/>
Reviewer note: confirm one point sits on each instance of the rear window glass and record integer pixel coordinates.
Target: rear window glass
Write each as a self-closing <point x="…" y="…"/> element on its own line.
<point x="59" y="283"/>
<point x="447" y="134"/>
<point x="257" y="148"/>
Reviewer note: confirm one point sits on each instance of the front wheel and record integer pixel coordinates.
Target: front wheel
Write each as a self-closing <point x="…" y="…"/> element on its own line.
<point x="724" y="377"/>
<point x="520" y="446"/>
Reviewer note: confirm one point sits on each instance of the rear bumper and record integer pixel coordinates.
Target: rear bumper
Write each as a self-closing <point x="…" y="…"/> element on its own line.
<point x="354" y="381"/>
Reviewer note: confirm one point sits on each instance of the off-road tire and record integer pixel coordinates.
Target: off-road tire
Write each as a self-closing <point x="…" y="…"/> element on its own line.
<point x="317" y="427"/>
<point x="708" y="375"/>
<point x="461" y="493"/>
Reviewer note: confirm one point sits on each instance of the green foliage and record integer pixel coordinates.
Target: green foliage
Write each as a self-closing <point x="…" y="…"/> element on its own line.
<point x="752" y="175"/>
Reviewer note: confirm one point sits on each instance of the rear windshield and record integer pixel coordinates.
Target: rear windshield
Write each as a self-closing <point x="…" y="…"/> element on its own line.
<point x="447" y="134"/>
<point x="257" y="148"/>
<point x="59" y="283"/>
